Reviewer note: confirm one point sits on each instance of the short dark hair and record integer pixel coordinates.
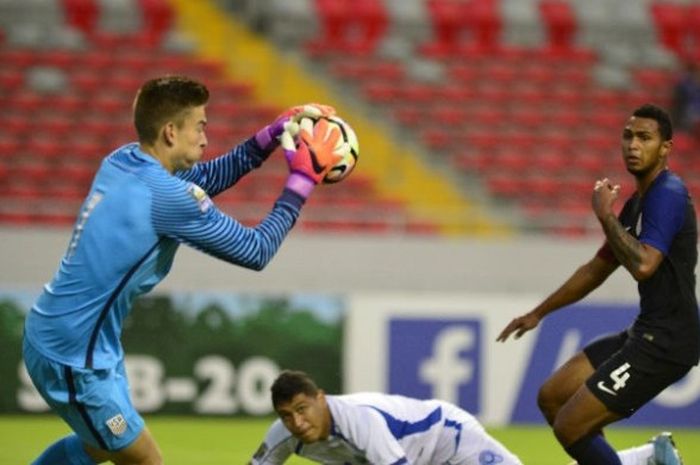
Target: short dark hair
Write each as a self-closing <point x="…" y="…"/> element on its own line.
<point x="290" y="383"/>
<point x="659" y="115"/>
<point x="165" y="99"/>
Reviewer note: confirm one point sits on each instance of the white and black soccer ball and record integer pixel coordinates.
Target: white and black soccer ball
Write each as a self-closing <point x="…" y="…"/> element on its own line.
<point x="344" y="167"/>
<point x="347" y="144"/>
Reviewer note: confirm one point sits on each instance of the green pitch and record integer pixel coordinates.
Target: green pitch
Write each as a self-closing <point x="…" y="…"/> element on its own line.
<point x="219" y="441"/>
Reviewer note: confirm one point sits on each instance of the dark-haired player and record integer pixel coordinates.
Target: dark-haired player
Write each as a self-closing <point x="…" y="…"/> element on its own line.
<point x="372" y="428"/>
<point x="655" y="240"/>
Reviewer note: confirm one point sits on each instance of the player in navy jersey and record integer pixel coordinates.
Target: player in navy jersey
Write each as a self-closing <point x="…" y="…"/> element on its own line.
<point x="372" y="428"/>
<point x="655" y="240"/>
<point x="145" y="200"/>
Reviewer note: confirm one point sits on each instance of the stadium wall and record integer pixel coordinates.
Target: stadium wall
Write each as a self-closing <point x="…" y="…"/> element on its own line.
<point x="322" y="263"/>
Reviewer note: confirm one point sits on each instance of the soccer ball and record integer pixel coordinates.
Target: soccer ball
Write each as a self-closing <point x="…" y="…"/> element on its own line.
<point x="344" y="167"/>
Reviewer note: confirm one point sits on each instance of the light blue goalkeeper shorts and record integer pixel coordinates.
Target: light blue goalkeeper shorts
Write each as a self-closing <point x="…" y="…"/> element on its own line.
<point x="94" y="403"/>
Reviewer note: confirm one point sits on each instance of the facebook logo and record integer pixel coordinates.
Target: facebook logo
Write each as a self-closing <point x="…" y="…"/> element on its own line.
<point x="436" y="358"/>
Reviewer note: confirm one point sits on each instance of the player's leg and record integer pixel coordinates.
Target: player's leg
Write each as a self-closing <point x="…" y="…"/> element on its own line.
<point x="143" y="451"/>
<point x="659" y="450"/>
<point x="577" y="427"/>
<point x="48" y="378"/>
<point x="120" y="433"/>
<point x="96" y="405"/>
<point x="619" y="387"/>
<point x="71" y="450"/>
<point x="562" y="385"/>
<point x="66" y="451"/>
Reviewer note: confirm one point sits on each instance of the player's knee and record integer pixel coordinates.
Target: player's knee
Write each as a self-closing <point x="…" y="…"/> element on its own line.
<point x="565" y="432"/>
<point x="154" y="458"/>
<point x="547" y="403"/>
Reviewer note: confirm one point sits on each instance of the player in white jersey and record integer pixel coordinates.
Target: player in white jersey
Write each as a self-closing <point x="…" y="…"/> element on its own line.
<point x="372" y="428"/>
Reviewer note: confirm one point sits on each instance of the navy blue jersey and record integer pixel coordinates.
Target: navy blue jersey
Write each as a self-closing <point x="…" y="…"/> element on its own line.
<point x="664" y="218"/>
<point x="124" y="241"/>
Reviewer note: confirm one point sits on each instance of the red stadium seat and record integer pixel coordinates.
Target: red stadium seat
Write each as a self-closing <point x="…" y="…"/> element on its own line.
<point x="449" y="24"/>
<point x="671" y="22"/>
<point x="465" y="27"/>
<point x="436" y="138"/>
<point x="11" y="79"/>
<point x="464" y="71"/>
<point x="527" y="118"/>
<point x="81" y="14"/>
<point x="449" y="115"/>
<point x="351" y="27"/>
<point x="485" y="22"/>
<point x="18" y="59"/>
<point x="560" y="23"/>
<point x="693" y="51"/>
<point x="512" y="161"/>
<point x="455" y="93"/>
<point x="158" y="17"/>
<point x="505" y="184"/>
<point x="61" y="59"/>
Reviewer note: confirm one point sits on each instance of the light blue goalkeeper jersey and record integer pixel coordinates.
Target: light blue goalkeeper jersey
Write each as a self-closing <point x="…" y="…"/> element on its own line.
<point x="124" y="241"/>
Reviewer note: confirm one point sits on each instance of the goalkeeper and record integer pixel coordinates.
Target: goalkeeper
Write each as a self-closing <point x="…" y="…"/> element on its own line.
<point x="146" y="199"/>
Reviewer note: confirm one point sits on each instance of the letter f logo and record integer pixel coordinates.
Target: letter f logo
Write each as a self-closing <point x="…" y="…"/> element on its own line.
<point x="446" y="370"/>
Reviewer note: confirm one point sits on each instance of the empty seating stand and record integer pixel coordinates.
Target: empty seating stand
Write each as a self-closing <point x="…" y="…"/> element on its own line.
<point x="533" y="122"/>
<point x="52" y="139"/>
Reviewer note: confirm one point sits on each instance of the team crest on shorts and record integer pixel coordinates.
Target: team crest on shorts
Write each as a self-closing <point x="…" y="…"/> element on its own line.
<point x="488" y="457"/>
<point x="200" y="197"/>
<point x="117" y="424"/>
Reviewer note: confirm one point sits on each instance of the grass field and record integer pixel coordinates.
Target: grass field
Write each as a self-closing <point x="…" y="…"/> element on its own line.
<point x="218" y="441"/>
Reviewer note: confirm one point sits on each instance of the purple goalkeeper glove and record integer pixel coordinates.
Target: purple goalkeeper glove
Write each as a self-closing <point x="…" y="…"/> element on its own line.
<point x="312" y="156"/>
<point x="268" y="137"/>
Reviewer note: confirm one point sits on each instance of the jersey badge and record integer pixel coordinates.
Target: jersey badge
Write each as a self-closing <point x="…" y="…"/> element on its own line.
<point x="200" y="197"/>
<point x="117" y="424"/>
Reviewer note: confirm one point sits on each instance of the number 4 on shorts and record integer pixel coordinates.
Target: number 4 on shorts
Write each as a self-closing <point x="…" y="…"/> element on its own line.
<point x="619" y="376"/>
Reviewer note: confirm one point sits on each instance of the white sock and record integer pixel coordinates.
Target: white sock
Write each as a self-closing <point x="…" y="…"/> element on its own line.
<point x="639" y="455"/>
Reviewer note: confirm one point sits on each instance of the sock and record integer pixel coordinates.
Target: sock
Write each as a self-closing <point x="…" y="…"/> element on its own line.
<point x="593" y="450"/>
<point x="66" y="451"/>
<point x="637" y="455"/>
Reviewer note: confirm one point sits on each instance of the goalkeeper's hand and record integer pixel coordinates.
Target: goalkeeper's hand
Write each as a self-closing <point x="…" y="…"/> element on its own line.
<point x="313" y="156"/>
<point x="268" y="137"/>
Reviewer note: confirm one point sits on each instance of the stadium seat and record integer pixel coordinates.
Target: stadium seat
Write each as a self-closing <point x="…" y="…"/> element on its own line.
<point x="353" y="28"/>
<point x="560" y="24"/>
<point x="671" y="22"/>
<point x="449" y="23"/>
<point x="485" y="24"/>
<point x="81" y="14"/>
<point x="158" y="17"/>
<point x="693" y="45"/>
<point x="506" y="185"/>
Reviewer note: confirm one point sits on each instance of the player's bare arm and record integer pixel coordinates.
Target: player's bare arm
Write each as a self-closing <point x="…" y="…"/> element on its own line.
<point x="641" y="260"/>
<point x="584" y="280"/>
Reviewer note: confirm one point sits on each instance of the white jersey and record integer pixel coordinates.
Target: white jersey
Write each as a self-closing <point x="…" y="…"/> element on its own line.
<point x="390" y="430"/>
